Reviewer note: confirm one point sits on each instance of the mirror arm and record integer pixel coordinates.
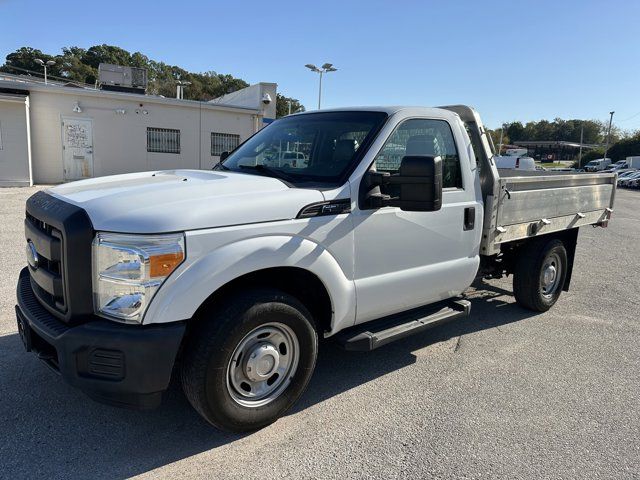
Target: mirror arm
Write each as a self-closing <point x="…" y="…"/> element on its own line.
<point x="375" y="179"/>
<point x="403" y="180"/>
<point x="378" y="179"/>
<point x="378" y="200"/>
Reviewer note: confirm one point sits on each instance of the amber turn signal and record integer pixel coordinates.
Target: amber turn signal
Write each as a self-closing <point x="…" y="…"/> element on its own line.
<point x="162" y="265"/>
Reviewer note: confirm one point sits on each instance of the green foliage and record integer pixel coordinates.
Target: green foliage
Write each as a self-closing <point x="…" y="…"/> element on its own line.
<point x="25" y="58"/>
<point x="592" y="155"/>
<point x="283" y="103"/>
<point x="560" y="130"/>
<point x="495" y="137"/>
<point x="77" y="64"/>
<point x="628" y="147"/>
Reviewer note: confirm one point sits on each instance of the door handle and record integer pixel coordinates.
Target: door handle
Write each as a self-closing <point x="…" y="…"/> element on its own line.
<point x="469" y="218"/>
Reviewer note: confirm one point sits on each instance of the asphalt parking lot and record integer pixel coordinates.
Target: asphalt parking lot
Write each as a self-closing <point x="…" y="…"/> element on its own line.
<point x="505" y="393"/>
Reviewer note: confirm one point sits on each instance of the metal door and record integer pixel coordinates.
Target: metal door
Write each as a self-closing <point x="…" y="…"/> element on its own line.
<point x="405" y="259"/>
<point x="77" y="148"/>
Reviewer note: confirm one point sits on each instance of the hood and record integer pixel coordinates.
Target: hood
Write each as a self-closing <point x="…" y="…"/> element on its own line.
<point x="180" y="200"/>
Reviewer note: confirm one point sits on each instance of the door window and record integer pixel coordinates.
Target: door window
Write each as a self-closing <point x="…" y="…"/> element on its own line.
<point x="422" y="137"/>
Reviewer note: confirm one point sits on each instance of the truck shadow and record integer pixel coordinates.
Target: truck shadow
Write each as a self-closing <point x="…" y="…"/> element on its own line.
<point x="50" y="429"/>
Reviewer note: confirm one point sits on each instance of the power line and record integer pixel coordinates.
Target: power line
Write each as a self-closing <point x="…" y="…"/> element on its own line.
<point x="630" y="118"/>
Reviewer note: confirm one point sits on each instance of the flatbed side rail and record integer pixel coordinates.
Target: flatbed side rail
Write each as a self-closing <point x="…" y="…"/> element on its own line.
<point x="528" y="206"/>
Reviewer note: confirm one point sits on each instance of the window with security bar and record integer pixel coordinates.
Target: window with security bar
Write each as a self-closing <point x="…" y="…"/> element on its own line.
<point x="223" y="142"/>
<point x="163" y="140"/>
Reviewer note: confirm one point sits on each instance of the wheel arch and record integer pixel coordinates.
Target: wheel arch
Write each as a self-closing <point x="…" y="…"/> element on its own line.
<point x="295" y="281"/>
<point x="569" y="238"/>
<point x="286" y="262"/>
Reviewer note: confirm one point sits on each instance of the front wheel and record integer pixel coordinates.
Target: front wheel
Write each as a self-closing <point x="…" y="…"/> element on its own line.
<point x="540" y="273"/>
<point x="248" y="362"/>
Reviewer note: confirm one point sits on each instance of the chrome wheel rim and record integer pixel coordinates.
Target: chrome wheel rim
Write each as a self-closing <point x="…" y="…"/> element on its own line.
<point x="550" y="275"/>
<point x="262" y="365"/>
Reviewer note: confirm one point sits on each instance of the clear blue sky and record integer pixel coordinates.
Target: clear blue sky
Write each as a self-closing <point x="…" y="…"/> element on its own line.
<point x="513" y="60"/>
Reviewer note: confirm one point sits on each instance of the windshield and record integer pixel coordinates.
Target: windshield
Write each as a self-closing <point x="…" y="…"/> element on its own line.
<point x="315" y="147"/>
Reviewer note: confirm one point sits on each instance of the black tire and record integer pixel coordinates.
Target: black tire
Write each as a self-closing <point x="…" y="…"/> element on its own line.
<point x="211" y="345"/>
<point x="528" y="285"/>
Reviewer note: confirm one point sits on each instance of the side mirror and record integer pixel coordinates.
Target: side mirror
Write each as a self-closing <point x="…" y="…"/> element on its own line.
<point x="420" y="185"/>
<point x="223" y="156"/>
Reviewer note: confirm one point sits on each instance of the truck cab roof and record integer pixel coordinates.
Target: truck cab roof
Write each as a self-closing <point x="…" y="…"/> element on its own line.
<point x="389" y="110"/>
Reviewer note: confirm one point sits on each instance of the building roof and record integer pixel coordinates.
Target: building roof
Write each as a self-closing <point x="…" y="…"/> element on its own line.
<point x="25" y="85"/>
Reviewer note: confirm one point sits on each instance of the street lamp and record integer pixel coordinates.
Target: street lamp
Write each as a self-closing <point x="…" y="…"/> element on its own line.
<point x="327" y="67"/>
<point x="46" y="64"/>
<point x="606" y="148"/>
<point x="180" y="89"/>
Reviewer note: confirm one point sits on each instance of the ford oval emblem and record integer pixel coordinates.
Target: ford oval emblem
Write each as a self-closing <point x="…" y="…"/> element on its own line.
<point x="32" y="255"/>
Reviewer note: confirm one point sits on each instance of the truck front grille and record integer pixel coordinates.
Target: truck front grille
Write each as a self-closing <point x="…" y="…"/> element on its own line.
<point x="47" y="279"/>
<point x="61" y="234"/>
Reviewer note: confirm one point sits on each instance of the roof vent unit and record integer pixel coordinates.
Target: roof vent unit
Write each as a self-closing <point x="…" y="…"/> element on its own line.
<point x="118" y="78"/>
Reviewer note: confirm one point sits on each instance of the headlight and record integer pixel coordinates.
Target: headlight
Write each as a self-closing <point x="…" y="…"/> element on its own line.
<point x="129" y="269"/>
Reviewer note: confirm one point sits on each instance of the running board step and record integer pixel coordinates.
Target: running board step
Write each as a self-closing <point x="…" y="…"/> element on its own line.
<point x="372" y="335"/>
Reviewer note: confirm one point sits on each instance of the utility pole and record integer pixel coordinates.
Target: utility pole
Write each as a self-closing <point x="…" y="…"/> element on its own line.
<point x="500" y="144"/>
<point x="606" y="148"/>
<point x="580" y="151"/>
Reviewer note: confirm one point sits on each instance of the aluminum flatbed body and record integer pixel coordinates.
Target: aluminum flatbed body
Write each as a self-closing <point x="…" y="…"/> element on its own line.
<point x="529" y="205"/>
<point x="522" y="204"/>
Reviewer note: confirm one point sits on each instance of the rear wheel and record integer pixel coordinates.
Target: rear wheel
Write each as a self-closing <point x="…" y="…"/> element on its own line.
<point x="250" y="360"/>
<point x="540" y="272"/>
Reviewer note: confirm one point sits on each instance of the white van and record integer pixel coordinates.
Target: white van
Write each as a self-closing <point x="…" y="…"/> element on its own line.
<point x="516" y="158"/>
<point x="597" y="165"/>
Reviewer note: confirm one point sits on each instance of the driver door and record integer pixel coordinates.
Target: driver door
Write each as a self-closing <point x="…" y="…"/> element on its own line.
<point x="407" y="259"/>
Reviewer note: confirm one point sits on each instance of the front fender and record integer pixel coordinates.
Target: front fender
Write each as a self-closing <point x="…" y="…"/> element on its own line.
<point x="204" y="272"/>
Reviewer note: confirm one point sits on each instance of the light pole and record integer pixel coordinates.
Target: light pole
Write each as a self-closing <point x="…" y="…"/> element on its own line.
<point x="327" y="67"/>
<point x="606" y="148"/>
<point x="46" y="64"/>
<point x="180" y="89"/>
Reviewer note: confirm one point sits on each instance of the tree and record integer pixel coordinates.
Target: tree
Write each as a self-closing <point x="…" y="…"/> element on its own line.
<point x="106" y="54"/>
<point x="495" y="137"/>
<point x="81" y="65"/>
<point x="628" y="147"/>
<point x="559" y="130"/>
<point x="284" y="103"/>
<point x="591" y="155"/>
<point x="72" y="66"/>
<point x="25" y="59"/>
<point x="514" y="131"/>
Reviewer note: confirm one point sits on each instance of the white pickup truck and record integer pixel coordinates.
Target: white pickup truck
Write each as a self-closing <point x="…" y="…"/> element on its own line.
<point x="227" y="278"/>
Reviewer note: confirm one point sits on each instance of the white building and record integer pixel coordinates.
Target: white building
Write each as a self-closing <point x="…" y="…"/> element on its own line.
<point x="55" y="133"/>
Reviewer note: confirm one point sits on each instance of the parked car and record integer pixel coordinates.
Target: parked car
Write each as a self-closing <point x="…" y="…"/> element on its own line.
<point x="618" y="165"/>
<point x="229" y="277"/>
<point x="625" y="181"/>
<point x="626" y="173"/>
<point x="285" y="158"/>
<point x="634" y="183"/>
<point x="597" y="165"/>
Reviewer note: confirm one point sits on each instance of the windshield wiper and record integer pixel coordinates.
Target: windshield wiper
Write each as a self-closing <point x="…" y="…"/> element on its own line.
<point x="220" y="166"/>
<point x="272" y="172"/>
